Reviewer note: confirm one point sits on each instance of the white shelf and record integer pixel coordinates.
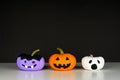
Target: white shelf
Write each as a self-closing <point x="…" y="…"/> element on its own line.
<point x="111" y="71"/>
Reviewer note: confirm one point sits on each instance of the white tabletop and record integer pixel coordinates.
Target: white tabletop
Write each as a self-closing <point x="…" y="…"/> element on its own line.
<point x="9" y="71"/>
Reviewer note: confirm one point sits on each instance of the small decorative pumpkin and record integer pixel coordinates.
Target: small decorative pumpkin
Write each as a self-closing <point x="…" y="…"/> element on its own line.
<point x="92" y="63"/>
<point x="30" y="62"/>
<point x="62" y="61"/>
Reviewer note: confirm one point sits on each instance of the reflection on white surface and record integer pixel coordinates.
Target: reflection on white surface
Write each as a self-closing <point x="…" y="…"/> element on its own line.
<point x="46" y="75"/>
<point x="92" y="75"/>
<point x="30" y="75"/>
<point x="62" y="75"/>
<point x="78" y="74"/>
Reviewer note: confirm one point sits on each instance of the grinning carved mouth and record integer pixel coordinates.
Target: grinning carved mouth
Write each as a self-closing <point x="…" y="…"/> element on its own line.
<point x="62" y="66"/>
<point x="29" y="66"/>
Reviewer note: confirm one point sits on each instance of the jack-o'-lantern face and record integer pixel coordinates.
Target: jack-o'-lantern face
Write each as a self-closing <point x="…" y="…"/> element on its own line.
<point x="62" y="61"/>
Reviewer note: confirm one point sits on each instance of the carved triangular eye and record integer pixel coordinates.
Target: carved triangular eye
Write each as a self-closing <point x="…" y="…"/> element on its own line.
<point x="90" y="61"/>
<point x="57" y="58"/>
<point x="67" y="58"/>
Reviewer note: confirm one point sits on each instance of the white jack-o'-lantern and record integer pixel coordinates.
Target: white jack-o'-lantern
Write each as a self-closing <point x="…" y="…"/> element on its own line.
<point x="92" y="63"/>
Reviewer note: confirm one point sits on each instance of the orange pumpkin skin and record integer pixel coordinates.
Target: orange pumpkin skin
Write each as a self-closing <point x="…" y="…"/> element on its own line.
<point x="62" y="62"/>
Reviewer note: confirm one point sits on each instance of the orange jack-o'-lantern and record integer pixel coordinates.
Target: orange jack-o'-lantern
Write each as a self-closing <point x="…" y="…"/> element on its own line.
<point x="62" y="61"/>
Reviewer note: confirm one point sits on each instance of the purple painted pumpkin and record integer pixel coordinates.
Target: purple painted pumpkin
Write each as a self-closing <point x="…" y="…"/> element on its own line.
<point x="30" y="62"/>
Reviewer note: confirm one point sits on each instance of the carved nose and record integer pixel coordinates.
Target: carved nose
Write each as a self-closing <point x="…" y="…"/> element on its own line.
<point x="94" y="66"/>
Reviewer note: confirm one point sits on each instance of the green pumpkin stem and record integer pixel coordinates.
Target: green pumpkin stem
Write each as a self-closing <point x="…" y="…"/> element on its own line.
<point x="61" y="51"/>
<point x="37" y="50"/>
<point x="91" y="55"/>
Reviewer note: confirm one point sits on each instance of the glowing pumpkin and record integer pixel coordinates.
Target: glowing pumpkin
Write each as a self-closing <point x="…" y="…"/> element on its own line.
<point x="62" y="61"/>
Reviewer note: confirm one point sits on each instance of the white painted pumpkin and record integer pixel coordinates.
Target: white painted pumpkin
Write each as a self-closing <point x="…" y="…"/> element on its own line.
<point x="92" y="63"/>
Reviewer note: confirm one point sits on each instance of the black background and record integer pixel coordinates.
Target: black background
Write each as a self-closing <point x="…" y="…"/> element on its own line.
<point x="80" y="28"/>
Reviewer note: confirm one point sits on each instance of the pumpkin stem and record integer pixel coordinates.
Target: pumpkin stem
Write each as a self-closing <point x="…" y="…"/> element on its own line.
<point x="37" y="50"/>
<point x="61" y="51"/>
<point x="91" y="55"/>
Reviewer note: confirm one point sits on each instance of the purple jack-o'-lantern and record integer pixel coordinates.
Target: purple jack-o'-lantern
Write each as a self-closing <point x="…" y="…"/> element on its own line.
<point x="30" y="62"/>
